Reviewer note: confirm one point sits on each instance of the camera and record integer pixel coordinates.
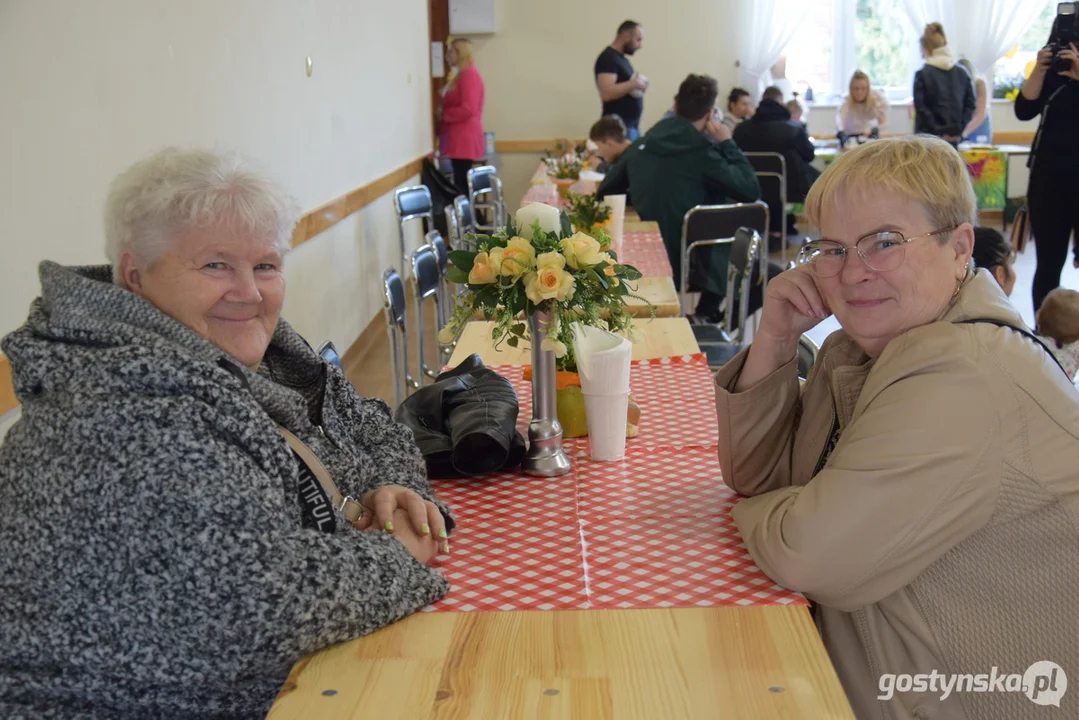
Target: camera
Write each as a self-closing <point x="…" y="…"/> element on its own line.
<point x="1064" y="33"/>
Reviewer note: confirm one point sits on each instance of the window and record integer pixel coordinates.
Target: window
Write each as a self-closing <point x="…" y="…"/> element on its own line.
<point x="842" y="36"/>
<point x="1010" y="71"/>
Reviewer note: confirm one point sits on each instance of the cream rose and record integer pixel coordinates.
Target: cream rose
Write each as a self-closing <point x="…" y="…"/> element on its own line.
<point x="549" y="219"/>
<point x="550" y="281"/>
<point x="482" y="272"/>
<point x="518" y="257"/>
<point x="582" y="251"/>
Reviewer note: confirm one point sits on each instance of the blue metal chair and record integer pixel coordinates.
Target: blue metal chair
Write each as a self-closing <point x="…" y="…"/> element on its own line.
<point x="396" y="308"/>
<point x="426" y="272"/>
<point x="412" y="203"/>
<point x="328" y="352"/>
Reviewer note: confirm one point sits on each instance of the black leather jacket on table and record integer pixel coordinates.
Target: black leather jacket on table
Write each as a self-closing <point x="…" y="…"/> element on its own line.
<point x="465" y="422"/>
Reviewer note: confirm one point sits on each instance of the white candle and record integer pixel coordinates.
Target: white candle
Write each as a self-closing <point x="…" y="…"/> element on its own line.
<point x="549" y="219"/>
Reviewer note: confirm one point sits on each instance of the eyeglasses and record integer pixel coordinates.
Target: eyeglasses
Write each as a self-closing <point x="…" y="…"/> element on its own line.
<point x="881" y="251"/>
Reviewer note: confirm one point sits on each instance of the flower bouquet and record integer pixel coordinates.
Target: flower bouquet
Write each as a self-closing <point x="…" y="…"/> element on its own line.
<point x="534" y="280"/>
<point x="591" y="216"/>
<point x="564" y="165"/>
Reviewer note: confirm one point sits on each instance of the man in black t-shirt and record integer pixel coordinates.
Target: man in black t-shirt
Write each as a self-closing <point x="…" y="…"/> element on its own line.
<point x="620" y="88"/>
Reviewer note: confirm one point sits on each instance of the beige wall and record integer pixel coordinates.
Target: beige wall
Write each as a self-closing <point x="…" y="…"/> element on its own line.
<point x="89" y="87"/>
<point x="538" y="67"/>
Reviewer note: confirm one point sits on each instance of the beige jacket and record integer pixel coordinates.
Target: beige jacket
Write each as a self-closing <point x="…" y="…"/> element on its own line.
<point x="943" y="531"/>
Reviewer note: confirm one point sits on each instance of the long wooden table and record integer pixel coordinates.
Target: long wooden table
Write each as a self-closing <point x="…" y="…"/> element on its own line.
<point x="650" y="664"/>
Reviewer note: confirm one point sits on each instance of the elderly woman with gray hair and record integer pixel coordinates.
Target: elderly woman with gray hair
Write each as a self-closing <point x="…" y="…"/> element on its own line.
<point x="174" y="532"/>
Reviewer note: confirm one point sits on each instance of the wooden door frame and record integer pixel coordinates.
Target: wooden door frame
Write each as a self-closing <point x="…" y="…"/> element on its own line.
<point x="438" y="26"/>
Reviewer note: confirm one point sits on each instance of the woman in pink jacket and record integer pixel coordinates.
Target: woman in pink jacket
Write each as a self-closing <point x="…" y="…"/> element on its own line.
<point x="462" y="114"/>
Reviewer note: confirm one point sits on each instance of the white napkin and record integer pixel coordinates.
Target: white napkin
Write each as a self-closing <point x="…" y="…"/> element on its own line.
<point x="603" y="360"/>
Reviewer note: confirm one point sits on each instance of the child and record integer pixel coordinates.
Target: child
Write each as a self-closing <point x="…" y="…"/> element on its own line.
<point x="795" y="109"/>
<point x="1058" y="327"/>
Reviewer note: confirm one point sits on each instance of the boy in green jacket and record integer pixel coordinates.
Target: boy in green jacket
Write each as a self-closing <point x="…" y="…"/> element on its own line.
<point x="684" y="161"/>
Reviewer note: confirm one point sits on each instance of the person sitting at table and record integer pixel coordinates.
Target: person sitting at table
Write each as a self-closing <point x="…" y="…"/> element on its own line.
<point x="796" y="110"/>
<point x="739" y="108"/>
<point x="863" y="112"/>
<point x="994" y="253"/>
<point x="173" y="539"/>
<point x="771" y="129"/>
<point x="682" y="162"/>
<point x="921" y="487"/>
<point x="609" y="135"/>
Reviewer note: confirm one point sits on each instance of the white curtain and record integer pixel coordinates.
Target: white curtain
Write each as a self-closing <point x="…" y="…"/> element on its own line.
<point x="991" y="28"/>
<point x="922" y="12"/>
<point x="766" y="31"/>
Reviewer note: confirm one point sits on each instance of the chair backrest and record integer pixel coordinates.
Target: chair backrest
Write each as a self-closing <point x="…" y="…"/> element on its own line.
<point x="774" y="194"/>
<point x="434" y="239"/>
<point x="425" y="270"/>
<point x="745" y="251"/>
<point x="807" y="355"/>
<point x="452" y="232"/>
<point x="715" y="225"/>
<point x="328" y="352"/>
<point x="479" y="178"/>
<point x="412" y="202"/>
<point x="708" y="222"/>
<point x="771" y="162"/>
<point x="394" y="294"/>
<point x="463" y="209"/>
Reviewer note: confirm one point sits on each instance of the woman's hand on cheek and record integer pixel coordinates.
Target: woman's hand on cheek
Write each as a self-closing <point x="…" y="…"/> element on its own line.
<point x="793" y="305"/>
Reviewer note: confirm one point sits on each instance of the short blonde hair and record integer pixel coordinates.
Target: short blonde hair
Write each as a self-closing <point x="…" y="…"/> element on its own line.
<point x="1058" y="316"/>
<point x="921" y="168"/>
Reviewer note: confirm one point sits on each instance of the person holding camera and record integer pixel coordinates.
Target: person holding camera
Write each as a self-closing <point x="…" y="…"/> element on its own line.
<point x="1052" y="90"/>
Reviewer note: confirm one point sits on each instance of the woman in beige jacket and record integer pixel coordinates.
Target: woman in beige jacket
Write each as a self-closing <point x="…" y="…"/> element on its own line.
<point x="922" y="487"/>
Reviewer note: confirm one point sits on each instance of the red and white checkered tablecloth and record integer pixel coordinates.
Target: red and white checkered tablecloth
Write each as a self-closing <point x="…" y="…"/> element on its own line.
<point x="677" y="403"/>
<point x="646" y="252"/>
<point x="653" y="530"/>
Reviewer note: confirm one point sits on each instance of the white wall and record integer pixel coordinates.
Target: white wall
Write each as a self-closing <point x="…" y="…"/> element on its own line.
<point x="89" y="87"/>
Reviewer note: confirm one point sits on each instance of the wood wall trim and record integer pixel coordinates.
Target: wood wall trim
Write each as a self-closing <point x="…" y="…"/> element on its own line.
<point x="1014" y="137"/>
<point x="8" y="400"/>
<point x="323" y="218"/>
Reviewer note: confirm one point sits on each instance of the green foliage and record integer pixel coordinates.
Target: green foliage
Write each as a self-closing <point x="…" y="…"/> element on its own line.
<point x="881" y="31"/>
<point x="586" y="211"/>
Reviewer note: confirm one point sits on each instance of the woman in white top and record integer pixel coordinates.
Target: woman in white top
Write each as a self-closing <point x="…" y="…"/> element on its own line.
<point x="863" y="109"/>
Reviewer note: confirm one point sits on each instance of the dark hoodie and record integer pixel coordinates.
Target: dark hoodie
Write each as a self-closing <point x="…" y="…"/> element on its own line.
<point x="676" y="167"/>
<point x="772" y="130"/>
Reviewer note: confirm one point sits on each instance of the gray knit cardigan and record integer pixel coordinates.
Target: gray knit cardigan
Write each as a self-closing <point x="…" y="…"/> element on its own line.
<point x="152" y="558"/>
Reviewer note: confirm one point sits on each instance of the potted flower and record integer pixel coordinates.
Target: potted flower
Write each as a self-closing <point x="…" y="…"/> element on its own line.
<point x="590" y="215"/>
<point x="535" y="279"/>
<point x="564" y="166"/>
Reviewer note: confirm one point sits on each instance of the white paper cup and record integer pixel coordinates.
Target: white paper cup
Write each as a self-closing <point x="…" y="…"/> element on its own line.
<point x="607" y="415"/>
<point x="617" y="203"/>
